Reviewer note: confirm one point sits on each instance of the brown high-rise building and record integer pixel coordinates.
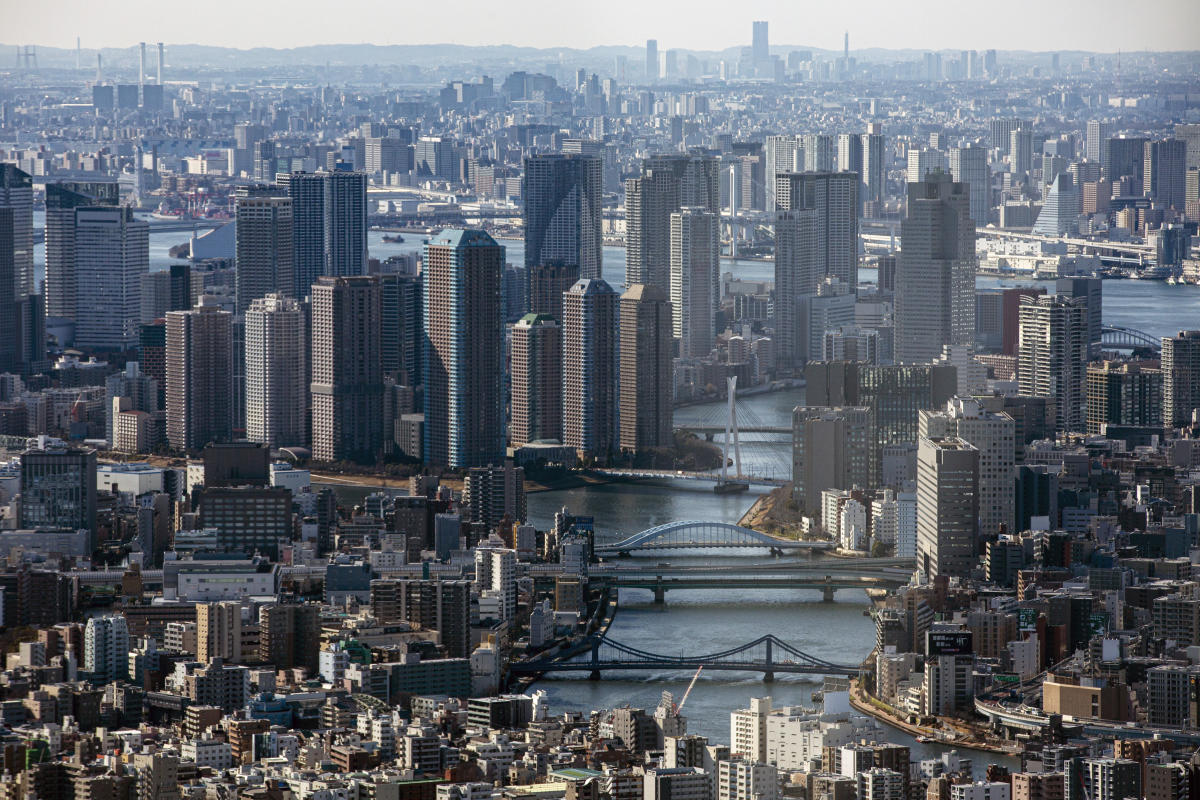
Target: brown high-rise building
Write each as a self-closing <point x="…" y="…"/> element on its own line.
<point x="589" y="368"/>
<point x="1039" y="786"/>
<point x="645" y="371"/>
<point x="347" y="372"/>
<point x="199" y="352"/>
<point x="536" y="366"/>
<point x="464" y="353"/>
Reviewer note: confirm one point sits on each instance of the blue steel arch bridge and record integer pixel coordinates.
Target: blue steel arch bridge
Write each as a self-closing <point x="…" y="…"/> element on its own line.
<point x="702" y="535"/>
<point x="1116" y="337"/>
<point x="766" y="654"/>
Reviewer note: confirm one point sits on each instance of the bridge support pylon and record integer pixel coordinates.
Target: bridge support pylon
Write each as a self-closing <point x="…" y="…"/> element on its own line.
<point x="827" y="594"/>
<point x="594" y="675"/>
<point x="768" y="677"/>
<point x="660" y="595"/>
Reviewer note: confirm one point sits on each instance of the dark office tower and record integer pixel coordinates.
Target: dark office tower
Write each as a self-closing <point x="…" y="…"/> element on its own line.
<point x="347" y="375"/>
<point x="33" y="334"/>
<point x="180" y="295"/>
<point x="464" y="349"/>
<point x="16" y="193"/>
<point x="152" y="355"/>
<point x="834" y="196"/>
<point x="1123" y="156"/>
<point x="649" y="202"/>
<point x="1091" y="291"/>
<point x="1181" y="378"/>
<point x="62" y="201"/>
<point x="536" y="367"/>
<point x="646" y="388"/>
<point x="798" y="270"/>
<point x="345" y="223"/>
<point x="547" y="282"/>
<point x="442" y="606"/>
<point x="886" y="272"/>
<point x="874" y="166"/>
<point x="58" y="488"/>
<point x="264" y="244"/>
<point x="1128" y="393"/>
<point x="1053" y="355"/>
<point x="112" y="254"/>
<point x="935" y="276"/>
<point x="401" y="327"/>
<point x="199" y="367"/>
<point x="563" y="195"/>
<point x="651" y="60"/>
<point x="290" y="636"/>
<point x="759" y="48"/>
<point x="695" y="279"/>
<point x="1164" y="170"/>
<point x="10" y="319"/>
<point x="590" y="369"/>
<point x="307" y="193"/>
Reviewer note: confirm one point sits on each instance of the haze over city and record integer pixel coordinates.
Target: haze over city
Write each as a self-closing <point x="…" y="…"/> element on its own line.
<point x="1098" y="25"/>
<point x="626" y="401"/>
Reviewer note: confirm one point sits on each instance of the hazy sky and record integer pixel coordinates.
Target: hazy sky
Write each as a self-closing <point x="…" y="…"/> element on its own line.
<point x="1103" y="25"/>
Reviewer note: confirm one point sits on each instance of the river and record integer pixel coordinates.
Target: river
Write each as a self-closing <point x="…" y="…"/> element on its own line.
<point x="692" y="621"/>
<point x="701" y="621"/>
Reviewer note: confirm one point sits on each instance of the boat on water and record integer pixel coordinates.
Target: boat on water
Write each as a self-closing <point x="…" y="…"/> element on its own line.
<point x="393" y="238"/>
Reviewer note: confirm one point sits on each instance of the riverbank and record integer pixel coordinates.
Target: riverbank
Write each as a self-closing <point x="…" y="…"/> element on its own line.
<point x="569" y="479"/>
<point x="949" y="733"/>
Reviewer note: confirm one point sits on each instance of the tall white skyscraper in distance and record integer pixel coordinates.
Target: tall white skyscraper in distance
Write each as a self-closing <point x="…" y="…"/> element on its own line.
<point x="112" y="253"/>
<point x="947" y="506"/>
<point x="968" y="164"/>
<point x="935" y="275"/>
<point x="695" y="279"/>
<point x="277" y="386"/>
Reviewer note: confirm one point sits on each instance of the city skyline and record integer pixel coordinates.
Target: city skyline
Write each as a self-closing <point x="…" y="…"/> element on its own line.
<point x="878" y="26"/>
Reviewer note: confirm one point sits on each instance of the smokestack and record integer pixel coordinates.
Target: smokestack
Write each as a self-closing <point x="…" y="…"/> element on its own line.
<point x="99" y="72"/>
<point x="160" y="63"/>
<point x="142" y="65"/>
<point x="77" y="54"/>
<point x="846" y="46"/>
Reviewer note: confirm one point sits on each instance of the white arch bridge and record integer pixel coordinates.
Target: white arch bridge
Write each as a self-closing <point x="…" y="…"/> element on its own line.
<point x="697" y="534"/>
